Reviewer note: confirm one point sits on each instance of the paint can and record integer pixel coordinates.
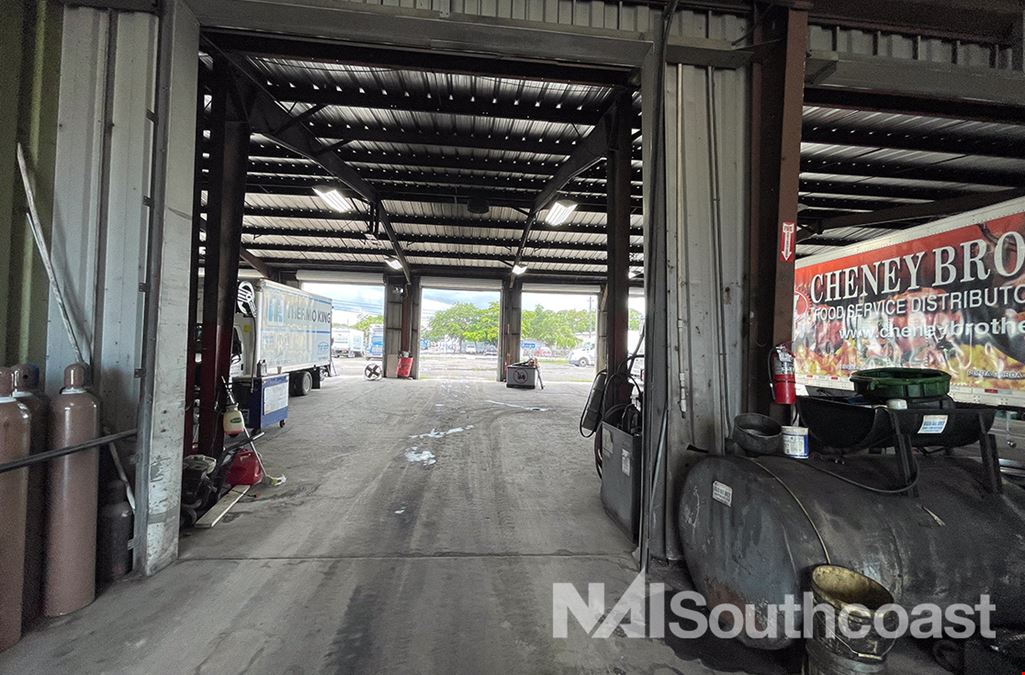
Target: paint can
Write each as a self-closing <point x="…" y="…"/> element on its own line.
<point x="795" y="442"/>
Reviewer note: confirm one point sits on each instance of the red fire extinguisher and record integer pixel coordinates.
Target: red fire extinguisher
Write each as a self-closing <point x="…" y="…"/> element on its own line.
<point x="781" y="368"/>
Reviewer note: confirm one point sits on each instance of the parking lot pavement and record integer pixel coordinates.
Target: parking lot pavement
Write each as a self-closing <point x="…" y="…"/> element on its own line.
<point x="470" y="367"/>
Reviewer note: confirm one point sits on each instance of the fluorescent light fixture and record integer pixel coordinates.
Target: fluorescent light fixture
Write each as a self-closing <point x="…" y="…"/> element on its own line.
<point x="393" y="263"/>
<point x="334" y="198"/>
<point x="519" y="269"/>
<point x="559" y="211"/>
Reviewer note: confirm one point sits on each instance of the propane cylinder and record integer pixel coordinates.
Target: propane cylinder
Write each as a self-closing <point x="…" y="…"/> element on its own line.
<point x="114" y="531"/>
<point x="69" y="581"/>
<point x="26" y="391"/>
<point x="15" y="438"/>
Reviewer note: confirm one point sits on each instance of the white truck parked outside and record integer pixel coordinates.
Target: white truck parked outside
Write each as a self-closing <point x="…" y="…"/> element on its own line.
<point x="279" y="330"/>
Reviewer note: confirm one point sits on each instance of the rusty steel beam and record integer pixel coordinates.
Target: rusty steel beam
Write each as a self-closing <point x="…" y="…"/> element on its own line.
<point x="230" y="140"/>
<point x="778" y="98"/>
<point x="617" y="279"/>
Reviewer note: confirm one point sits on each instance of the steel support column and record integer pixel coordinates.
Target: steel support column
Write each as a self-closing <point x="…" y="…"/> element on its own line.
<point x="188" y="440"/>
<point x="777" y="96"/>
<point x="617" y="286"/>
<point x="230" y="141"/>
<point x="510" y="324"/>
<point x="396" y="292"/>
<point x="409" y="339"/>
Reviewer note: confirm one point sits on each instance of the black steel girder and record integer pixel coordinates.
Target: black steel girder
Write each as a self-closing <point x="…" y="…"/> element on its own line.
<point x="497" y="271"/>
<point x="587" y="203"/>
<point x="363" y="157"/>
<point x="441" y="221"/>
<point x="410" y="238"/>
<point x="450" y="255"/>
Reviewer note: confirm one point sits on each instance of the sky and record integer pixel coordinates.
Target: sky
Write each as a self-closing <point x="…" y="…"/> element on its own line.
<point x="351" y="301"/>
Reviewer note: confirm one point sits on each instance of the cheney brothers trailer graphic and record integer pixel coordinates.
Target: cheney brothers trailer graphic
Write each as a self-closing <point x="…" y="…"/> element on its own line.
<point x="947" y="295"/>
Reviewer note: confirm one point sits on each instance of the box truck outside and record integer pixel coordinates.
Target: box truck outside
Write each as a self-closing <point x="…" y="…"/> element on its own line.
<point x="282" y="330"/>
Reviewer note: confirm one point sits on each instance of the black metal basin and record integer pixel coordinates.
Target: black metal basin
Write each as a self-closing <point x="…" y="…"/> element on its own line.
<point x="848" y="427"/>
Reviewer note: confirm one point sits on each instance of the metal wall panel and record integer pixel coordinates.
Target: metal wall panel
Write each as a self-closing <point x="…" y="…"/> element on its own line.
<point x="903" y="46"/>
<point x="77" y="189"/>
<point x="581" y="13"/>
<point x="102" y="175"/>
<point x="706" y="244"/>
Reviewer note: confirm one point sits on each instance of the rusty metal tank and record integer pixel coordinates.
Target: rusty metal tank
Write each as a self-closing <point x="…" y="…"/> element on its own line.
<point x="753" y="529"/>
<point x="69" y="581"/>
<point x="15" y="438"/>
<point x="27" y="392"/>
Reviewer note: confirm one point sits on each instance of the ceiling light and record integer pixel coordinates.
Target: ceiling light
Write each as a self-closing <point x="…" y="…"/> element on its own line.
<point x="393" y="263"/>
<point x="519" y="269"/>
<point x="334" y="198"/>
<point x="559" y="211"/>
<point x="633" y="273"/>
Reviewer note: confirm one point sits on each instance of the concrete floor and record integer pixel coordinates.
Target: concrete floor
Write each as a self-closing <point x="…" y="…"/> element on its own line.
<point x="420" y="531"/>
<point x="368" y="562"/>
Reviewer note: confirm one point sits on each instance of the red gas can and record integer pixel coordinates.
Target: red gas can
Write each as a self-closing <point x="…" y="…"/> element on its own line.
<point x="245" y="469"/>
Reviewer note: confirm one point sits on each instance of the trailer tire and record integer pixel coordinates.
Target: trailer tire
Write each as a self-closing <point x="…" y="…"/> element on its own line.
<point x="302" y="383"/>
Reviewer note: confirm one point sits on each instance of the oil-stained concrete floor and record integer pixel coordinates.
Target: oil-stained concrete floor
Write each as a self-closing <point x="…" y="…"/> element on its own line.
<point x="420" y="531"/>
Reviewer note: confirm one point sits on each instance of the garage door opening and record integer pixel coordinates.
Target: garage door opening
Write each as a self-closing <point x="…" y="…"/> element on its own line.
<point x="560" y="330"/>
<point x="459" y="334"/>
<point x="357" y="325"/>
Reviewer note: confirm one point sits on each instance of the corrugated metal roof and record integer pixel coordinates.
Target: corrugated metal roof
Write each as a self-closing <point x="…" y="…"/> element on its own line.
<point x="433" y="140"/>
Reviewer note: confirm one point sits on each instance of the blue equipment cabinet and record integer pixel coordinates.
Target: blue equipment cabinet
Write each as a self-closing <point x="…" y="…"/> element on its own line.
<point x="268" y="402"/>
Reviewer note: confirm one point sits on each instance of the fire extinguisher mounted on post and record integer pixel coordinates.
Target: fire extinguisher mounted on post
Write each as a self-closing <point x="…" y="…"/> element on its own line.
<point x="782" y="372"/>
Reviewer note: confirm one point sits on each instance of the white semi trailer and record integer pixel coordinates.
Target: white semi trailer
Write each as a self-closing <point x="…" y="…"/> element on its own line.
<point x="947" y="295"/>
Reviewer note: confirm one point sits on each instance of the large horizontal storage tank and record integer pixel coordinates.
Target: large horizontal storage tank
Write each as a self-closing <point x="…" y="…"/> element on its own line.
<point x="753" y="529"/>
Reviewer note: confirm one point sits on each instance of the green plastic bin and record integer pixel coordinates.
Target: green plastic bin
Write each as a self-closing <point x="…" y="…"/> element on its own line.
<point x="881" y="384"/>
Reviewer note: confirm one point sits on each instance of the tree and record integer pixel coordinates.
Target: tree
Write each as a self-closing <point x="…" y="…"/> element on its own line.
<point x="636" y="320"/>
<point x="555" y="329"/>
<point x="366" y="322"/>
<point x="455" y="322"/>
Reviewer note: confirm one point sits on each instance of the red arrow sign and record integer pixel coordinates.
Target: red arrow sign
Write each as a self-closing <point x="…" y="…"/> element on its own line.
<point x="787" y="241"/>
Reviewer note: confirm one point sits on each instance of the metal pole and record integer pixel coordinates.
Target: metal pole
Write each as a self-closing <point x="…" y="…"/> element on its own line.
<point x="44" y="253"/>
<point x="194" y="281"/>
<point x="229" y="136"/>
<point x="777" y="93"/>
<point x="618" y="242"/>
<point x="41" y="457"/>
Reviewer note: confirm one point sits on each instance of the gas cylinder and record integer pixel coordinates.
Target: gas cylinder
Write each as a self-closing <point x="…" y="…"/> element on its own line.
<point x="15" y="438"/>
<point x="114" y="531"/>
<point x="69" y="581"/>
<point x="26" y="390"/>
<point x="245" y="469"/>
